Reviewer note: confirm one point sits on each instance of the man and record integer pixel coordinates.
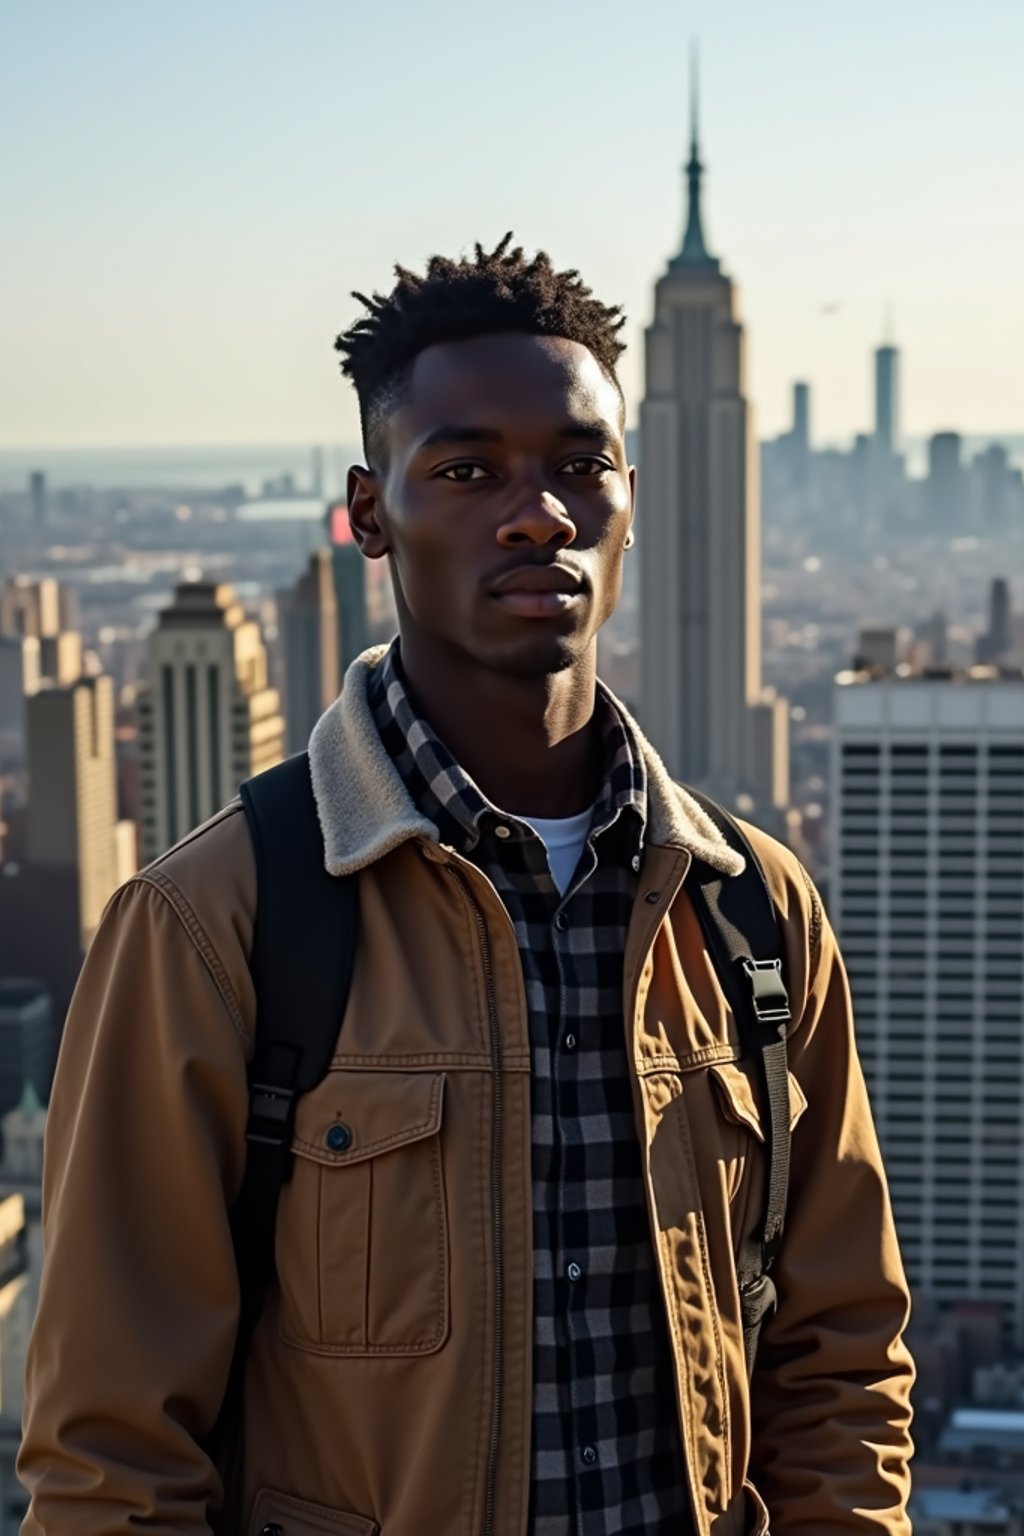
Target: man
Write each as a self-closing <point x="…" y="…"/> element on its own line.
<point x="506" y="1297"/>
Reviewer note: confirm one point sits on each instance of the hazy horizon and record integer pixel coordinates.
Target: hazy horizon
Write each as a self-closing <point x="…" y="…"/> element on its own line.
<point x="197" y="189"/>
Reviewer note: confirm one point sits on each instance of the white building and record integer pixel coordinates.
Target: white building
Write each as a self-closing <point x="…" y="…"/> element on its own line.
<point x="207" y="719"/>
<point x="928" y="899"/>
<point x="699" y="537"/>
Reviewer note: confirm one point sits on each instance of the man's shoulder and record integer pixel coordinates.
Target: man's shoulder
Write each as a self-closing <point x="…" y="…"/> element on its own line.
<point x="209" y="878"/>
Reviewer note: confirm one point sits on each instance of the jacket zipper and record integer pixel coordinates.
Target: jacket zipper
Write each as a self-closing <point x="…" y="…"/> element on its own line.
<point x="497" y="1128"/>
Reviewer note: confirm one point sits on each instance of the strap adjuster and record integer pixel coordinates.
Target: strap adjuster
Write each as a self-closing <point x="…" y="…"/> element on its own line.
<point x="770" y="998"/>
<point x="271" y="1109"/>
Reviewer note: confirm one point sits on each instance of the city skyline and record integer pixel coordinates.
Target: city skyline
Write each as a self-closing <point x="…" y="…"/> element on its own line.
<point x="265" y="174"/>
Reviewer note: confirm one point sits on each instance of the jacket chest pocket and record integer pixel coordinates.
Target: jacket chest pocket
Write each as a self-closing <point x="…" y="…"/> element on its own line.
<point x="739" y="1098"/>
<point x="362" y="1232"/>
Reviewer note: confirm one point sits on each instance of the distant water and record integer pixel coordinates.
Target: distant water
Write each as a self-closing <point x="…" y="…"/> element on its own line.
<point x="204" y="467"/>
<point x="213" y="466"/>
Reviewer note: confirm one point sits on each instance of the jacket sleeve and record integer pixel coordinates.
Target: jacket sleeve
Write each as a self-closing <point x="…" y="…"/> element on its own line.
<point x="830" y="1398"/>
<point x="132" y="1343"/>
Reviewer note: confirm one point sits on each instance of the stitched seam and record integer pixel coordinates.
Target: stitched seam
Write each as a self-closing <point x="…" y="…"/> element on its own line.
<point x="397" y="1139"/>
<point x="200" y="939"/>
<point x="705" y="1265"/>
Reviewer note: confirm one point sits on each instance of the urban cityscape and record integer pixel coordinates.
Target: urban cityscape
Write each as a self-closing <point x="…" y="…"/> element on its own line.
<point x="844" y="667"/>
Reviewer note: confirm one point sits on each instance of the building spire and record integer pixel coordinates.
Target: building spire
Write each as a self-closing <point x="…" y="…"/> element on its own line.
<point x="694" y="251"/>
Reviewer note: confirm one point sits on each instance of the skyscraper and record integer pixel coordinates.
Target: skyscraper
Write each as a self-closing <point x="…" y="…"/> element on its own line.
<point x="887" y="399"/>
<point x="928" y="899"/>
<point x="39" y="611"/>
<point x="207" y="719"/>
<point x="945" y="488"/>
<point x="349" y="568"/>
<point x="72" y="811"/>
<point x="998" y="641"/>
<point x="309" y="626"/>
<point x="698" y="535"/>
<point x="27" y="1041"/>
<point x="37" y="495"/>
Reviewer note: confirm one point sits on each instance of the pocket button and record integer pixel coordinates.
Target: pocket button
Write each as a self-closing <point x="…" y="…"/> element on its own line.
<point x="339" y="1138"/>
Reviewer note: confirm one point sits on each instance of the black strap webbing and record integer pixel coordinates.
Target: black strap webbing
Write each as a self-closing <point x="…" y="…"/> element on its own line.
<point x="741" y="927"/>
<point x="303" y="956"/>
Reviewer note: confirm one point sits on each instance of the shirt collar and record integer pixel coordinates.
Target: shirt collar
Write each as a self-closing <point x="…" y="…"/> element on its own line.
<point x="447" y="796"/>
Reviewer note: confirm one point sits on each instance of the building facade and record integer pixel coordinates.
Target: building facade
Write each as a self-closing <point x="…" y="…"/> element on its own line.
<point x="207" y="719"/>
<point x="349" y="567"/>
<point x="699" y="537"/>
<point x="928" y="900"/>
<point x="72" y="811"/>
<point x="308" y="623"/>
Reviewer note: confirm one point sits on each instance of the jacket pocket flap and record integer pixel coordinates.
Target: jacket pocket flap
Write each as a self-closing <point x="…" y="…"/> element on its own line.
<point x="351" y="1116"/>
<point x="740" y="1102"/>
<point x="297" y="1517"/>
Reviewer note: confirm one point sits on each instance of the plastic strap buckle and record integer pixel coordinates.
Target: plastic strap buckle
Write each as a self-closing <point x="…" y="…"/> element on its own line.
<point x="771" y="1000"/>
<point x="270" y="1114"/>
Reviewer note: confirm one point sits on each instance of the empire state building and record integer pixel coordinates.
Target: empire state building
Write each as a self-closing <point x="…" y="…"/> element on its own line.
<point x="699" y="537"/>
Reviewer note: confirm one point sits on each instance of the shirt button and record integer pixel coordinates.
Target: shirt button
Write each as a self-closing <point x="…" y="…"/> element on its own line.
<point x="574" y="1272"/>
<point x="589" y="1455"/>
<point x="570" y="1042"/>
<point x="562" y="922"/>
<point x="502" y="831"/>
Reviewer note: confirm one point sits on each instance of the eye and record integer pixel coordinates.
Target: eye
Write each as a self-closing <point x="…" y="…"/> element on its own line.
<point x="462" y="474"/>
<point x="587" y="465"/>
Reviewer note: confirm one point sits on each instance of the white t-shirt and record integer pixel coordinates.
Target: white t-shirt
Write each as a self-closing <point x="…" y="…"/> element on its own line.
<point x="564" y="839"/>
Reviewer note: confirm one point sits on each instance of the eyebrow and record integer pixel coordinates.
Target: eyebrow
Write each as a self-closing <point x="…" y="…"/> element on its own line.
<point x="591" y="432"/>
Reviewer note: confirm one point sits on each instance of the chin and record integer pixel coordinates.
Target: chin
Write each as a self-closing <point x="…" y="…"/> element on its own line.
<point x="535" y="656"/>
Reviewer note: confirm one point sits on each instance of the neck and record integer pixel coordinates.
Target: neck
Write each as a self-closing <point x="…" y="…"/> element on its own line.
<point x="528" y="742"/>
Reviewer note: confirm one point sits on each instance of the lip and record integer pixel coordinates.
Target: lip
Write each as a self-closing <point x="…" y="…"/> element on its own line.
<point x="537" y="579"/>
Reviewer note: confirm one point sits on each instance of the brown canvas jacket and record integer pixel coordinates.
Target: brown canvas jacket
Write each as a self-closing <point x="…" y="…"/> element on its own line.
<point x="388" y="1388"/>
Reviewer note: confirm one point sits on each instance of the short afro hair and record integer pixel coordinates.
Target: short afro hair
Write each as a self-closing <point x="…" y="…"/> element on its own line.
<point x="498" y="291"/>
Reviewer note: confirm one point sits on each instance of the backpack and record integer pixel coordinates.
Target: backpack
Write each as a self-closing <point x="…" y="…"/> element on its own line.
<point x="304" y="947"/>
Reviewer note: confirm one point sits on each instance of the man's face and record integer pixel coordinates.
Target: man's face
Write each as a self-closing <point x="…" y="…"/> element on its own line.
<point x="505" y="503"/>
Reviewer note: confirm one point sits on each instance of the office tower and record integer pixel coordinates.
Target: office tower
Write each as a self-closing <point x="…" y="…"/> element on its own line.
<point x="19" y="677"/>
<point x="887" y="400"/>
<point x="309" y="626"/>
<point x="349" y="568"/>
<point x="698" y="536"/>
<point x="72" y="812"/>
<point x="40" y="611"/>
<point x="38" y="499"/>
<point x="998" y="640"/>
<point x="928" y="899"/>
<point x="207" y="719"/>
<point x="802" y="417"/>
<point x="317" y="483"/>
<point x="27" y="1041"/>
<point x="30" y="607"/>
<point x="992" y="486"/>
<point x="944" y="488"/>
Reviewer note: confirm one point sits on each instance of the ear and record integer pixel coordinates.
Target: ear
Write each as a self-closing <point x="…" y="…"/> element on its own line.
<point x="363" y="512"/>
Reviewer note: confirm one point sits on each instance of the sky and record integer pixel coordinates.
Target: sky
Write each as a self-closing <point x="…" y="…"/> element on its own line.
<point x="190" y="191"/>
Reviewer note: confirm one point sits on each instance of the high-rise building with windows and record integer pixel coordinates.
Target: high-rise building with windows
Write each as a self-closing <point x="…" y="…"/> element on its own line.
<point x="207" y="719"/>
<point x="28" y="1040"/>
<point x="887" y="399"/>
<point x="946" y="485"/>
<point x="349" y="567"/>
<point x="72" y="809"/>
<point x="699" y="536"/>
<point x="308" y="623"/>
<point x="928" y="900"/>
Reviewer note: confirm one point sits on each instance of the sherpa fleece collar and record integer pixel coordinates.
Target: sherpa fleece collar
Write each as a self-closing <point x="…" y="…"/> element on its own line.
<point x="365" y="809"/>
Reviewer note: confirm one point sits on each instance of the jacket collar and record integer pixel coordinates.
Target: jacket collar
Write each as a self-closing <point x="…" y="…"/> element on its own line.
<point x="365" y="809"/>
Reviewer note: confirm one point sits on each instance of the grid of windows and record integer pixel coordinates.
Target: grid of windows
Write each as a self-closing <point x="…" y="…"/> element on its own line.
<point x="929" y="901"/>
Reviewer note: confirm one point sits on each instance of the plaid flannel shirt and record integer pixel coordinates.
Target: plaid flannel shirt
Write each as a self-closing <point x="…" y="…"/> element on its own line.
<point x="607" y="1455"/>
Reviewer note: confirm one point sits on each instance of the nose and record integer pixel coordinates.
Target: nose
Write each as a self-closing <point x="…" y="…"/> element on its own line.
<point x="539" y="519"/>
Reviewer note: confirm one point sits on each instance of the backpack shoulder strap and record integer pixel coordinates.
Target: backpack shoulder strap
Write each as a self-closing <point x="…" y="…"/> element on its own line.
<point x="303" y="956"/>
<point x="741" y="928"/>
